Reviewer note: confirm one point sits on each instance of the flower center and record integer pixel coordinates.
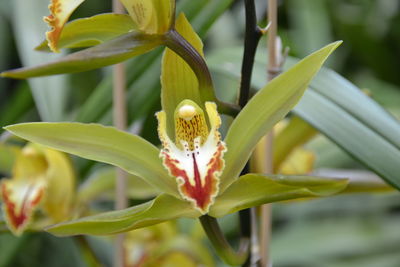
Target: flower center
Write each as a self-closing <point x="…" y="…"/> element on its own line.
<point x="189" y="124"/>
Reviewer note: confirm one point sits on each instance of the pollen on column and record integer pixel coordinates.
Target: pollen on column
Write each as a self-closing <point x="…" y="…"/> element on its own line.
<point x="187" y="112"/>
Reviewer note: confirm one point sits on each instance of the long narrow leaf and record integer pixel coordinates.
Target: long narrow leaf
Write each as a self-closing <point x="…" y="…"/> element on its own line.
<point x="108" y="53"/>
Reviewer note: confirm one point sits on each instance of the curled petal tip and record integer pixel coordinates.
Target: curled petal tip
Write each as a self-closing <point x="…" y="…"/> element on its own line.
<point x="60" y="11"/>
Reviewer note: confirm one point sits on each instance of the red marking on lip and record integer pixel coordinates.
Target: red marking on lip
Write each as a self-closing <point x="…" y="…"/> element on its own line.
<point x="18" y="219"/>
<point x="201" y="194"/>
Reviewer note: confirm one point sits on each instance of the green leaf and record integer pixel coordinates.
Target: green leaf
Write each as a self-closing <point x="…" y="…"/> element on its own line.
<point x="349" y="98"/>
<point x="17" y="105"/>
<point x="178" y="80"/>
<point x="8" y="154"/>
<point x="49" y="93"/>
<point x="91" y="31"/>
<point x="255" y="189"/>
<point x="162" y="208"/>
<point x="108" y="53"/>
<point x="352" y="134"/>
<point x="265" y="109"/>
<point x="104" y="144"/>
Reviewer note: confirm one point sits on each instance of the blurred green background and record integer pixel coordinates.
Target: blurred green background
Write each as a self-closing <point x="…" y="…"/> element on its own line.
<point x="354" y="230"/>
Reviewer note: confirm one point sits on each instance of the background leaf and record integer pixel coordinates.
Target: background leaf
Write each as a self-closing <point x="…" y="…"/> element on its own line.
<point x="50" y="93"/>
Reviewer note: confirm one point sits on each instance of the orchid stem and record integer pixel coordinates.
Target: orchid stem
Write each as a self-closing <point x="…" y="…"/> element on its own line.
<point x="221" y="245"/>
<point x="178" y="44"/>
<point x="252" y="38"/>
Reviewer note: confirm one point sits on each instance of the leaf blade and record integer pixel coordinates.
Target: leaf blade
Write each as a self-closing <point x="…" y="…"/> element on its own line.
<point x="108" y="53"/>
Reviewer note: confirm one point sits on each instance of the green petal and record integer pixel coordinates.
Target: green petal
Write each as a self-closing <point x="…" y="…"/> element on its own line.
<point x="339" y="110"/>
<point x="108" y="53"/>
<point x="265" y="109"/>
<point x="256" y="189"/>
<point x="177" y="78"/>
<point x="105" y="144"/>
<point x="91" y="31"/>
<point x="161" y="209"/>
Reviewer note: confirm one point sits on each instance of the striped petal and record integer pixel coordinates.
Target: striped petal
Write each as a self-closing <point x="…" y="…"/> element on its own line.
<point x="196" y="156"/>
<point x="60" y="11"/>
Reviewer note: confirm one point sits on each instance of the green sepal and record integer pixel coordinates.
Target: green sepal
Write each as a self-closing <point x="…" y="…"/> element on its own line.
<point x="256" y="189"/>
<point x="265" y="109"/>
<point x="108" y="53"/>
<point x="161" y="209"/>
<point x="178" y="81"/>
<point x="91" y="31"/>
<point x="105" y="144"/>
<point x="339" y="110"/>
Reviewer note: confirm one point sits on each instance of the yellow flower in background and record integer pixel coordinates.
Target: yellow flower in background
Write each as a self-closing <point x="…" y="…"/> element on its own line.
<point x="41" y="179"/>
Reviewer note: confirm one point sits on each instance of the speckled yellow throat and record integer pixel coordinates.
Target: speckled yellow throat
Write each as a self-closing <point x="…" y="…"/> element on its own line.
<point x="196" y="156"/>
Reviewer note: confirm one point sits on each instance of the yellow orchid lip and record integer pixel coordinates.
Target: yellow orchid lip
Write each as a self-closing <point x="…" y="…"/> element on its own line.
<point x="196" y="157"/>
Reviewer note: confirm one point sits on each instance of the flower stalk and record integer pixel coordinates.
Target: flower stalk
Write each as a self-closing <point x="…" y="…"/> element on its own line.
<point x="221" y="245"/>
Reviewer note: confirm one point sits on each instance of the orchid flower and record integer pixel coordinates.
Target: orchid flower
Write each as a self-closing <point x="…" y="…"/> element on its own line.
<point x="41" y="179"/>
<point x="198" y="172"/>
<point x="196" y="157"/>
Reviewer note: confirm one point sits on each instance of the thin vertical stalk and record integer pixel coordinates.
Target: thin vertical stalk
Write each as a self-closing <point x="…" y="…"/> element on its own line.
<point x="272" y="71"/>
<point x="252" y="37"/>
<point x="119" y="117"/>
